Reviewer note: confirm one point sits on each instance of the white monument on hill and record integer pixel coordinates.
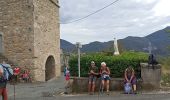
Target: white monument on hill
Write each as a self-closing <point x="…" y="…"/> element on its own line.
<point x="116" y="50"/>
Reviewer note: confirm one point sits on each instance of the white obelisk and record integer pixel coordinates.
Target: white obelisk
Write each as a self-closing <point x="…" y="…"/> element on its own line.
<point x="116" y="50"/>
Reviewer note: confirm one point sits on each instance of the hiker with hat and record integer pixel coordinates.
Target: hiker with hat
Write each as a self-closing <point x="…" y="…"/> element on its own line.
<point x="93" y="73"/>
<point x="105" y="77"/>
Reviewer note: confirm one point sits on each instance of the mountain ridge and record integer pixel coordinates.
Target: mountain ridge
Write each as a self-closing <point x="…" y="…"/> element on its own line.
<point x="160" y="40"/>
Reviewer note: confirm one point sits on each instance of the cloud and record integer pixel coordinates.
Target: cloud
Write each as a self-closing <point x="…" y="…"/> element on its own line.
<point x="162" y="8"/>
<point x="125" y="18"/>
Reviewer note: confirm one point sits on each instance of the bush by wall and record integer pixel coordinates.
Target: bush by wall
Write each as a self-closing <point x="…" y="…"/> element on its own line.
<point x="117" y="64"/>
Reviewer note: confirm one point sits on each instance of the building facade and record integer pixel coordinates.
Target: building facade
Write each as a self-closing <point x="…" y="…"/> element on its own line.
<point x="30" y="36"/>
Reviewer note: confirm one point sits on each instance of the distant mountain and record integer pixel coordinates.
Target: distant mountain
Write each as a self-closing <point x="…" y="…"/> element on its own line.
<point x="160" y="40"/>
<point x="97" y="46"/>
<point x="66" y="46"/>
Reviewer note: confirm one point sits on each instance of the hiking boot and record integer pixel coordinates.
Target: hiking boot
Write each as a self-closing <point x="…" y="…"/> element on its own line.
<point x="134" y="92"/>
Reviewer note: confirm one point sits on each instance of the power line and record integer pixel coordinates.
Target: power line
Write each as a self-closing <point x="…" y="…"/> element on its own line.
<point x="79" y="19"/>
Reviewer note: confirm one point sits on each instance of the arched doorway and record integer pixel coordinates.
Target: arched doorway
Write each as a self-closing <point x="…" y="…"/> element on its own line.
<point x="50" y="68"/>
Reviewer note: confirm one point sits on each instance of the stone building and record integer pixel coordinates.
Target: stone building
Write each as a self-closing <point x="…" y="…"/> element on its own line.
<point x="30" y="36"/>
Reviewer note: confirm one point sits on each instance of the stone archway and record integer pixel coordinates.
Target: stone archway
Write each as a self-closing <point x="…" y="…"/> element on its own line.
<point x="50" y="68"/>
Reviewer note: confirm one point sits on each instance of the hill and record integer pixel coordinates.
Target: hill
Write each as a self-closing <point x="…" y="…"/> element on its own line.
<point x="160" y="41"/>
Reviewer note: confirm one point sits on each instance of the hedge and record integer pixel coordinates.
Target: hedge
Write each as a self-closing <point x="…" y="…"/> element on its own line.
<point x="117" y="64"/>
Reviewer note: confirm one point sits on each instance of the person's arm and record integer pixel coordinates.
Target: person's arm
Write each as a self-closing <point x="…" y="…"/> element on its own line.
<point x="89" y="72"/>
<point x="100" y="71"/>
<point x="108" y="71"/>
<point x="133" y="74"/>
<point x="96" y="73"/>
<point x="125" y="75"/>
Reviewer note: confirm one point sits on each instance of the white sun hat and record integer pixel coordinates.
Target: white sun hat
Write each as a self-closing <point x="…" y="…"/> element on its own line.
<point x="103" y="63"/>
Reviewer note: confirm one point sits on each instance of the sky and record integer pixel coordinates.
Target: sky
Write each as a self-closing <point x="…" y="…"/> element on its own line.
<point x="124" y="18"/>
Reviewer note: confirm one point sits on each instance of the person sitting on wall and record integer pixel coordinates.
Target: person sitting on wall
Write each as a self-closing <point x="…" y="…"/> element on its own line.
<point x="93" y="73"/>
<point x="130" y="77"/>
<point x="105" y="77"/>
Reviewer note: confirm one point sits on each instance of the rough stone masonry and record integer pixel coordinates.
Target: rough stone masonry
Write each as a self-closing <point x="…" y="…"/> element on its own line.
<point x="31" y="36"/>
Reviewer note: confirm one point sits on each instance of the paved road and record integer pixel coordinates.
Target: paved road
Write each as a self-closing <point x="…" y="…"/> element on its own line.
<point x="36" y="91"/>
<point x="51" y="91"/>
<point x="96" y="97"/>
<point x="118" y="97"/>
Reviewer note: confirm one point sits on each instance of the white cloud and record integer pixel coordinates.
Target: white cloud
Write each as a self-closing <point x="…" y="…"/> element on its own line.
<point x="132" y="18"/>
<point x="162" y="8"/>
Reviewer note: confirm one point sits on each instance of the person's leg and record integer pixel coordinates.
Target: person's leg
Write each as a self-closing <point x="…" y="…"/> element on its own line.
<point x="102" y="85"/>
<point x="107" y="85"/>
<point x="4" y="94"/>
<point x="134" y="84"/>
<point x="66" y="86"/>
<point x="1" y="93"/>
<point x="90" y="85"/>
<point x="94" y="84"/>
<point x="134" y="87"/>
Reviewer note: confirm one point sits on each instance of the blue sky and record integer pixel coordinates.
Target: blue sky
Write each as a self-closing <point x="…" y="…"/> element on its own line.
<point x="125" y="18"/>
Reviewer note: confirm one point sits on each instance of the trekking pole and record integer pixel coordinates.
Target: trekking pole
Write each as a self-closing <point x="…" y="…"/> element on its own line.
<point x="99" y="92"/>
<point x="14" y="90"/>
<point x="101" y="87"/>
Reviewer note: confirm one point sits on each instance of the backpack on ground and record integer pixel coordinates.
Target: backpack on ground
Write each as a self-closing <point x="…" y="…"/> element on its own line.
<point x="7" y="71"/>
<point x="128" y="88"/>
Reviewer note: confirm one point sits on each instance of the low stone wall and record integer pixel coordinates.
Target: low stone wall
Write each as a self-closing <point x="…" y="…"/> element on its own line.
<point x="80" y="85"/>
<point x="150" y="80"/>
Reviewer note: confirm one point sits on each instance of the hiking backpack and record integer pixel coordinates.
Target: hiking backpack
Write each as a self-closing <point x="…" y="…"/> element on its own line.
<point x="7" y="71"/>
<point x="127" y="88"/>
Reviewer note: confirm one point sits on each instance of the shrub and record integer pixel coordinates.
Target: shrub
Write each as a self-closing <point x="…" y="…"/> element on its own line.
<point x="166" y="80"/>
<point x="117" y="64"/>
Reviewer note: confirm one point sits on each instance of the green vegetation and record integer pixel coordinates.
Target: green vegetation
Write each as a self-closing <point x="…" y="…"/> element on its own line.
<point x="166" y="80"/>
<point x="168" y="30"/>
<point x="165" y="62"/>
<point x="117" y="64"/>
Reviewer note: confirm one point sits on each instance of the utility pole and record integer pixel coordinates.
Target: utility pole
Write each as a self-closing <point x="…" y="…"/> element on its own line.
<point x="79" y="46"/>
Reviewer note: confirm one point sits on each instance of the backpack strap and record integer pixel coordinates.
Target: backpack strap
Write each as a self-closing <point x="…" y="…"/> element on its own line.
<point x="7" y="71"/>
<point x="6" y="68"/>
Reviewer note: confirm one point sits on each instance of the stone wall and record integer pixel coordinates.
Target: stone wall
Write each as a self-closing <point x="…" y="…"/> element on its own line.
<point x="30" y="31"/>
<point x="80" y="85"/>
<point x="151" y="76"/>
<point x="18" y="32"/>
<point x="46" y="37"/>
<point x="150" y="80"/>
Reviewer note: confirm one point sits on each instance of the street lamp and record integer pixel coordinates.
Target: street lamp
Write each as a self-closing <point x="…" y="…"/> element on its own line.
<point x="78" y="45"/>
